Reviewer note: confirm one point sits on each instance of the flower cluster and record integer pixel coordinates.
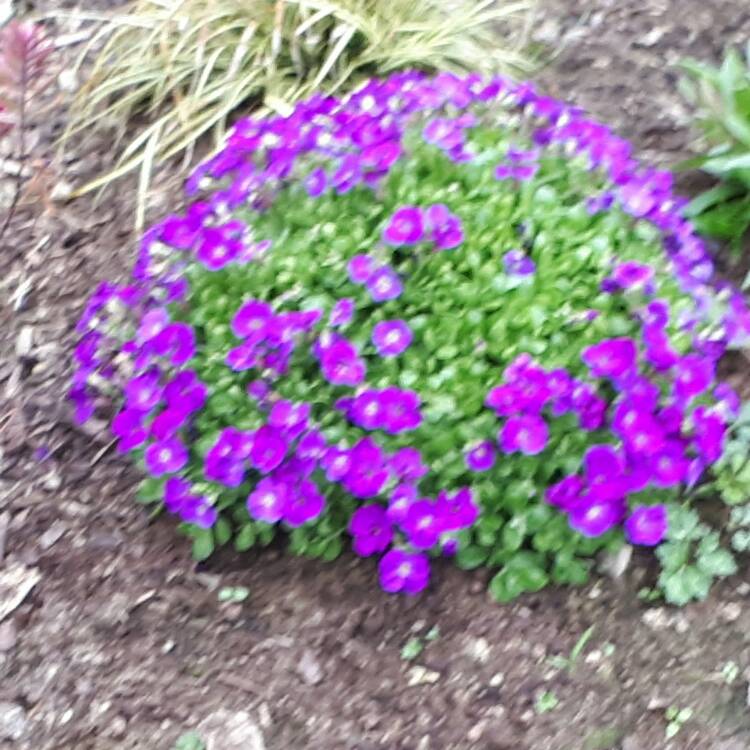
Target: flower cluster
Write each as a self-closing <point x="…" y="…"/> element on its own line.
<point x="294" y="353"/>
<point x="410" y="225"/>
<point x="268" y="340"/>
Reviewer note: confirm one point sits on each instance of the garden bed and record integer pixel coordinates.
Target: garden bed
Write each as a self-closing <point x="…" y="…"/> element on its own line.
<point x="123" y="643"/>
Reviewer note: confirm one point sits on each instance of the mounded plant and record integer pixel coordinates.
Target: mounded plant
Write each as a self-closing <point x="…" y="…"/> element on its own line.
<point x="445" y="316"/>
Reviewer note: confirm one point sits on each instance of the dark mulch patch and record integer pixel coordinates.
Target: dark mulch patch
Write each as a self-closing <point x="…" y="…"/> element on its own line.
<point x="122" y="642"/>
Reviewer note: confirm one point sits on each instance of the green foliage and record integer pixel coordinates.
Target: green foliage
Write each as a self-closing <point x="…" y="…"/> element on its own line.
<point x="415" y="645"/>
<point x="569" y="662"/>
<point x="545" y="702"/>
<point x="739" y="525"/>
<point x="676" y="717"/>
<point x="412" y="649"/>
<point x="732" y="471"/>
<point x="470" y="318"/>
<point x="234" y="594"/>
<point x="188" y="65"/>
<point x="691" y="558"/>
<point x="190" y="741"/>
<point x="721" y="98"/>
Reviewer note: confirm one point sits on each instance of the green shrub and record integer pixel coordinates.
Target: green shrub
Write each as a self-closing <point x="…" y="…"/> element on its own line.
<point x="445" y="316"/>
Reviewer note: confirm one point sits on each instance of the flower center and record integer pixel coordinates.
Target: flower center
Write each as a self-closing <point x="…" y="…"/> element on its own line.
<point x="404" y="570"/>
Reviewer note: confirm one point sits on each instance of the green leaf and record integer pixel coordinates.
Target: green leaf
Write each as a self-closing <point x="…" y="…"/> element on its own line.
<point x="718" y="194"/>
<point x="471" y="556"/>
<point x="245" y="538"/>
<point x="151" y="490"/>
<point x="505" y="586"/>
<point x="727" y="220"/>
<point x="190" y="741"/>
<point x="222" y="531"/>
<point x="411" y="649"/>
<point x="203" y="544"/>
<point x="720" y="562"/>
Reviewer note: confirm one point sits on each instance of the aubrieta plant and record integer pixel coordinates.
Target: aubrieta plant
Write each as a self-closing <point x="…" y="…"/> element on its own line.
<point x="445" y="316"/>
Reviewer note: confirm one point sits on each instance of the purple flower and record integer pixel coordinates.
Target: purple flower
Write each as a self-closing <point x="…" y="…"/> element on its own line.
<point x="371" y="530"/>
<point x="185" y="392"/>
<point x="656" y="314"/>
<point x="369" y="471"/>
<point x="647" y="525"/>
<point x="400" y="409"/>
<point x="176" y="342"/>
<point x="596" y="518"/>
<point x="458" y="511"/>
<point x="342" y="312"/>
<point x="639" y="429"/>
<point x="659" y="352"/>
<point x="268" y="500"/>
<point x="642" y="393"/>
<point x="423" y="524"/>
<point x="504" y="399"/>
<point x="366" y="410"/>
<point x="406" y="464"/>
<point x="312" y="445"/>
<point x="197" y="509"/>
<point x="631" y="274"/>
<point x="292" y="419"/>
<point x="402" y="498"/>
<point x="258" y="390"/>
<point x="360" y="268"/>
<point x="532" y="389"/>
<point x="565" y="494"/>
<point x="404" y="571"/>
<point x="693" y="376"/>
<point x="447" y="134"/>
<point x="670" y="466"/>
<point x="217" y="250"/>
<point x="337" y="463"/>
<point x="223" y="469"/>
<point x="175" y="490"/>
<point x="165" y="457"/>
<point x="384" y="285"/>
<point x="251" y="321"/>
<point x="613" y="358"/>
<point x="128" y="426"/>
<point x="517" y="263"/>
<point x="152" y="323"/>
<point x="728" y="401"/>
<point x="340" y="362"/>
<point x="405" y="227"/>
<point x="604" y="468"/>
<point x="710" y="432"/>
<point x="391" y="337"/>
<point x="242" y="357"/>
<point x="445" y="228"/>
<point x="315" y="183"/>
<point x="347" y="174"/>
<point x="268" y="449"/>
<point x="481" y="457"/>
<point x="143" y="392"/>
<point x="304" y="505"/>
<point x="235" y="443"/>
<point x="526" y="433"/>
<point x="166" y="424"/>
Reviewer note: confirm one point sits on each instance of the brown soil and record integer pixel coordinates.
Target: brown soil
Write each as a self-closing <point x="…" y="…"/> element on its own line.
<point x="123" y="642"/>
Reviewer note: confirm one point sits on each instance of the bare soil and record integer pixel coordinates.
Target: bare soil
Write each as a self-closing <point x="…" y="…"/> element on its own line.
<point x="122" y="641"/>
